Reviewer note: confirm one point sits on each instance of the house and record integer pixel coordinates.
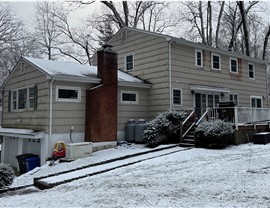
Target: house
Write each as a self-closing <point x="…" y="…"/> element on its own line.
<point x="48" y="101"/>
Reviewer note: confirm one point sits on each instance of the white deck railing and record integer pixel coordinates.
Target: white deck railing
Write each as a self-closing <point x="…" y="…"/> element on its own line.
<point x="240" y="115"/>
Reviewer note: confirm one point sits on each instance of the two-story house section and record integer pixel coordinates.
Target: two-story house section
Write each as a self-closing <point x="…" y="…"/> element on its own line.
<point x="185" y="74"/>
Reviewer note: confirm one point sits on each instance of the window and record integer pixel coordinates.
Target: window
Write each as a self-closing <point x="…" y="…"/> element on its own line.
<point x="251" y="71"/>
<point x="68" y="94"/>
<point x="129" y="62"/>
<point x="199" y="58"/>
<point x="234" y="98"/>
<point x="216" y="61"/>
<point x="129" y="97"/>
<point x="256" y="101"/>
<point x="177" y="96"/>
<point x="233" y="65"/>
<point x="23" y="99"/>
<point x="216" y="100"/>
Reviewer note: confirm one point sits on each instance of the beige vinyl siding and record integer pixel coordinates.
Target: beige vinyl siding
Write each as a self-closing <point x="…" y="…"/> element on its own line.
<point x="185" y="74"/>
<point x="67" y="114"/>
<point x="30" y="119"/>
<point x="132" y="111"/>
<point x="150" y="64"/>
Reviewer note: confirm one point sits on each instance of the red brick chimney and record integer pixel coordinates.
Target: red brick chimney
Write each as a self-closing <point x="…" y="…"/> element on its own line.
<point x="101" y="101"/>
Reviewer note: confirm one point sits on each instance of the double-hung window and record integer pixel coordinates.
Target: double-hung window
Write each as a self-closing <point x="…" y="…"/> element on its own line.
<point x="129" y="62"/>
<point x="198" y="58"/>
<point x="256" y="101"/>
<point x="177" y="96"/>
<point x="23" y="98"/>
<point x="251" y="71"/>
<point x="216" y="62"/>
<point x="233" y="65"/>
<point x="234" y="98"/>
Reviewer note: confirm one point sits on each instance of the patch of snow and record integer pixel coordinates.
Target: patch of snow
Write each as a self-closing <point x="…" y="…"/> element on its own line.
<point x="75" y="69"/>
<point x="238" y="176"/>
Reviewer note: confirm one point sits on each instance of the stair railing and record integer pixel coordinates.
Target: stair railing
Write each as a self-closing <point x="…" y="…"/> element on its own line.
<point x="203" y="117"/>
<point x="187" y="124"/>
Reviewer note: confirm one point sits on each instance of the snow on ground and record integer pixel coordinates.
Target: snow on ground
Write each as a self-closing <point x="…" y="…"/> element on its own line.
<point x="238" y="176"/>
<point x="99" y="156"/>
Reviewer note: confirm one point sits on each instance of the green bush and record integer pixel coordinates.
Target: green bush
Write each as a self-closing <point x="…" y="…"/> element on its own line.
<point x="6" y="175"/>
<point x="166" y="123"/>
<point x="215" y="133"/>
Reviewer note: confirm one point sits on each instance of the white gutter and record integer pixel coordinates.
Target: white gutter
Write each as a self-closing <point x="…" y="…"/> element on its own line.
<point x="50" y="112"/>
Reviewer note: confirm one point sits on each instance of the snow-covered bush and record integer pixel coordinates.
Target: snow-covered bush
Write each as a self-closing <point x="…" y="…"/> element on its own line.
<point x="6" y="175"/>
<point x="214" y="133"/>
<point x="166" y="123"/>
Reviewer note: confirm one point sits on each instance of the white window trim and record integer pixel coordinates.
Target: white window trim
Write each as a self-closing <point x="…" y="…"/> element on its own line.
<point x="235" y="59"/>
<point x="180" y="95"/>
<point x="129" y="92"/>
<point x="196" y="57"/>
<point x="129" y="54"/>
<point x="253" y="71"/>
<point x="212" y="63"/>
<point x="233" y="97"/>
<point x="17" y="99"/>
<point x="256" y="97"/>
<point x="78" y="100"/>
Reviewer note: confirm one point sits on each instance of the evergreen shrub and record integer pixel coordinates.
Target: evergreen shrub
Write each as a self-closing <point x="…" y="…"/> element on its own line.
<point x="216" y="133"/>
<point x="6" y="175"/>
<point x="165" y="124"/>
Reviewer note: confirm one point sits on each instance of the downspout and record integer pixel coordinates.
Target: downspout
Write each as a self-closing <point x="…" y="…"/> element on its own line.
<point x="50" y="112"/>
<point x="170" y="41"/>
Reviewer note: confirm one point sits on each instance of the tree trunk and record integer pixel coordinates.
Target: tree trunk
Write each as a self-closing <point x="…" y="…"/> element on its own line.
<point x="209" y="20"/>
<point x="265" y="43"/>
<point x="218" y="23"/>
<point x="202" y="25"/>
<point x="126" y="12"/>
<point x="245" y="26"/>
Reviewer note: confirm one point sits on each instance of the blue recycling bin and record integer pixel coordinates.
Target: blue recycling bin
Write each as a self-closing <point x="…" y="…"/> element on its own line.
<point x="32" y="163"/>
<point x="28" y="162"/>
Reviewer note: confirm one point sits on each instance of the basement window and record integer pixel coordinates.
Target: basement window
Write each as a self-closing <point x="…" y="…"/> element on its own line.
<point x="129" y="97"/>
<point x="68" y="94"/>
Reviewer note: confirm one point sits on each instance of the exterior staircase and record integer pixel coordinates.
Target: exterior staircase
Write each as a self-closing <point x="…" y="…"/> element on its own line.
<point x="189" y="139"/>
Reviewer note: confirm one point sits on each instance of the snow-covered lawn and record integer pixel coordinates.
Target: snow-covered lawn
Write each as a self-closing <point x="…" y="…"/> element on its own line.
<point x="238" y="176"/>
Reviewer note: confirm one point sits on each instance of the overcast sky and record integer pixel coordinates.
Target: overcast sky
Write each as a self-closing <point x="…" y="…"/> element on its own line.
<point x="26" y="10"/>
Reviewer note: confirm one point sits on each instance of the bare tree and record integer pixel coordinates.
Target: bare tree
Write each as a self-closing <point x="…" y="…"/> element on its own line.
<point x="12" y="39"/>
<point x="46" y="29"/>
<point x="10" y="27"/>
